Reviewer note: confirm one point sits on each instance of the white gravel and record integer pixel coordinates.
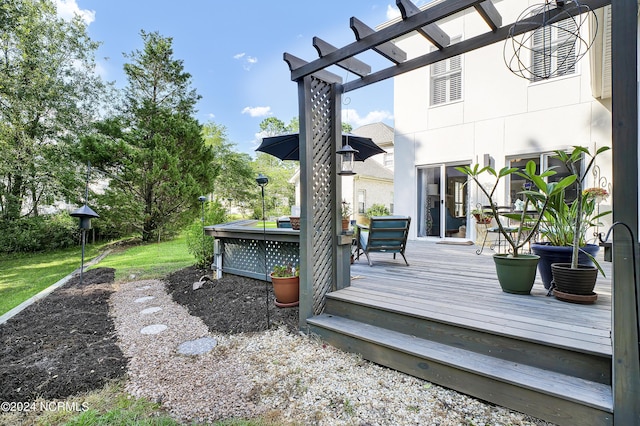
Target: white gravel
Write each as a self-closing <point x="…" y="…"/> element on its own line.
<point x="289" y="379"/>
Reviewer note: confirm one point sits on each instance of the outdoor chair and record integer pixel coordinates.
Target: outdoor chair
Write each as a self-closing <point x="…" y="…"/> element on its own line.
<point x="283" y="222"/>
<point x="385" y="234"/>
<point x="497" y="242"/>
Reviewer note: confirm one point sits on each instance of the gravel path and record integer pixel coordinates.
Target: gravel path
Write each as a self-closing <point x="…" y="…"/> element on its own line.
<point x="287" y="378"/>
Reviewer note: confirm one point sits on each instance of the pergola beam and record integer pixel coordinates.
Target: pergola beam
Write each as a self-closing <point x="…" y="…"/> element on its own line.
<point x="431" y="32"/>
<point x="295" y="62"/>
<point x="353" y="65"/>
<point x="456" y="49"/>
<point x="490" y="14"/>
<point x="388" y="49"/>
<point x="425" y="17"/>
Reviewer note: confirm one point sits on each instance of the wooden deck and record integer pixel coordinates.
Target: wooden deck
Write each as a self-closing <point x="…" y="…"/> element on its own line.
<point x="444" y="318"/>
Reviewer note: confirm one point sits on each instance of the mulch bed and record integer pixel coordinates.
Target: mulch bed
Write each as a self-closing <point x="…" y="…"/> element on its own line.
<point x="62" y="345"/>
<point x="65" y="344"/>
<point x="231" y="305"/>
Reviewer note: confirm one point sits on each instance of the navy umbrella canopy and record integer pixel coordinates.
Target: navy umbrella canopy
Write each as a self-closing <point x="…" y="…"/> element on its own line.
<point x="287" y="146"/>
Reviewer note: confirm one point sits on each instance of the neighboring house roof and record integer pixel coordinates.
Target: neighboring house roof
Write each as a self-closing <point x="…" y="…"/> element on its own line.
<point x="380" y="133"/>
<point x="372" y="169"/>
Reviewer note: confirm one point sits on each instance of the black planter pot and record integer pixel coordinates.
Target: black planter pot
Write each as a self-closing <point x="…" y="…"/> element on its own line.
<point x="559" y="254"/>
<point x="580" y="281"/>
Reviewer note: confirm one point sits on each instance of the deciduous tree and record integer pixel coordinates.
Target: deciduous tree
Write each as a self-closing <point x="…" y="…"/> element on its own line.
<point x="49" y="95"/>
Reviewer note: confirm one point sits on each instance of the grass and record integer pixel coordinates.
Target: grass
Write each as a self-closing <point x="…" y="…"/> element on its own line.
<point x="110" y="405"/>
<point x="149" y="261"/>
<point x="267" y="224"/>
<point x="24" y="275"/>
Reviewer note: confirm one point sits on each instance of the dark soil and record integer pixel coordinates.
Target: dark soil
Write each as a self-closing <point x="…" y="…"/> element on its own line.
<point x="65" y="344"/>
<point x="231" y="305"/>
<point x="62" y="345"/>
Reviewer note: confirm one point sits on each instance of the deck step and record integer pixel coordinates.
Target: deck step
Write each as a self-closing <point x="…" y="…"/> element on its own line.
<point x="510" y="338"/>
<point x="549" y="395"/>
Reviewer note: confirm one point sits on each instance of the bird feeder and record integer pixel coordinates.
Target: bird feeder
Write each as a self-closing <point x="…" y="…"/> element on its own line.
<point x="85" y="214"/>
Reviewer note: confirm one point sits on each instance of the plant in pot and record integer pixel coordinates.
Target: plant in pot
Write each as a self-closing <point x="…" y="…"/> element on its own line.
<point x="566" y="226"/>
<point x="516" y="271"/>
<point x="481" y="216"/>
<point x="286" y="285"/>
<point x="345" y="212"/>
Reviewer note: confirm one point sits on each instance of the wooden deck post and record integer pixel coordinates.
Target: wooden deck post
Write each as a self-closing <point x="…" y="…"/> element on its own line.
<point x="320" y="194"/>
<point x="625" y="363"/>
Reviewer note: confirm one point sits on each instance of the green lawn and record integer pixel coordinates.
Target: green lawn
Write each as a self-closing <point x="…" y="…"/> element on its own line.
<point x="24" y="275"/>
<point x="149" y="261"/>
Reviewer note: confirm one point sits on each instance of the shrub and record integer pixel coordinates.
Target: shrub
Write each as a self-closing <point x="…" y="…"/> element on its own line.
<point x="203" y="252"/>
<point x="40" y="233"/>
<point x="377" y="210"/>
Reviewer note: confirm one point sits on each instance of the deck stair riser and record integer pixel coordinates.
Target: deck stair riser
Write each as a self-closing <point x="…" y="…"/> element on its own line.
<point x="594" y="367"/>
<point x="551" y="396"/>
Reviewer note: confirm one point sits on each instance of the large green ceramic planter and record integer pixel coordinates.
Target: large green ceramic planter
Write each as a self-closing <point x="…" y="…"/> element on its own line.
<point x="516" y="274"/>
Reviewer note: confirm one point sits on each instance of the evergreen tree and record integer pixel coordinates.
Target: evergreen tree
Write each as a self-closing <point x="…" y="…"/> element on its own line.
<point x="154" y="152"/>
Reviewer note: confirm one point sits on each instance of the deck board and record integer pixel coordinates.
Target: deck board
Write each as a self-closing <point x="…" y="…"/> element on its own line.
<point x="454" y="284"/>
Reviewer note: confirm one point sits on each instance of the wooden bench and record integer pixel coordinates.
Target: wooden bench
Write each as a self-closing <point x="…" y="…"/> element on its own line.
<point x="385" y="234"/>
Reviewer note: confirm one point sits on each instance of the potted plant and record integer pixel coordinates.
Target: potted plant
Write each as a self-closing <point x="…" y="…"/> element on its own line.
<point x="516" y="271"/>
<point x="557" y="230"/>
<point x="481" y="216"/>
<point x="575" y="281"/>
<point x="346" y="215"/>
<point x="286" y="285"/>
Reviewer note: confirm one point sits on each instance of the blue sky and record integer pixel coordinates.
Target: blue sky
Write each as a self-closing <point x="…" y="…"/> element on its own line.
<point x="233" y="50"/>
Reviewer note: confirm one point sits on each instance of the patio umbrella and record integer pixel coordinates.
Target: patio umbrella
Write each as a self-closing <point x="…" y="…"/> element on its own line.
<point x="286" y="147"/>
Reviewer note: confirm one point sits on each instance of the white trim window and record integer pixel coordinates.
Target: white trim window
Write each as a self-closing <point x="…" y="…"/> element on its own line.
<point x="446" y="81"/>
<point x="554" y="50"/>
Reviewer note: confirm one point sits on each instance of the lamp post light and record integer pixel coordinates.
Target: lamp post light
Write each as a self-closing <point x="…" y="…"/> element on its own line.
<point x="85" y="214"/>
<point x="347" y="155"/>
<point x="263" y="181"/>
<point x="202" y="199"/>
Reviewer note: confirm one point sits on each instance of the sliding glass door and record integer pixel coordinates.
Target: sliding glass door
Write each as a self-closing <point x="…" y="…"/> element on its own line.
<point x="442" y="202"/>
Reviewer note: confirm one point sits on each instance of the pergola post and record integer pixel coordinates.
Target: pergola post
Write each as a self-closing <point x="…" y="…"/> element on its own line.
<point x="626" y="360"/>
<point x="322" y="254"/>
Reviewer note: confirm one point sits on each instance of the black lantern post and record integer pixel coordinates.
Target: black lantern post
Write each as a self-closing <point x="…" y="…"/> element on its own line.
<point x="202" y="199"/>
<point x="263" y="181"/>
<point x="85" y="214"/>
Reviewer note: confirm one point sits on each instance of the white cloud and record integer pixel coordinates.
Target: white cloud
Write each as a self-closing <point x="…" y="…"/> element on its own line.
<point x="352" y="117"/>
<point x="247" y="61"/>
<point x="211" y="116"/>
<point x="257" y="111"/>
<point x="392" y="12"/>
<point x="67" y="9"/>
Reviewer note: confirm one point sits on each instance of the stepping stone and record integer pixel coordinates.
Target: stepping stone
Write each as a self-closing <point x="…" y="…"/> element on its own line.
<point x="153" y="329"/>
<point x="198" y="346"/>
<point x="144" y="287"/>
<point x="144" y="299"/>
<point x="151" y="310"/>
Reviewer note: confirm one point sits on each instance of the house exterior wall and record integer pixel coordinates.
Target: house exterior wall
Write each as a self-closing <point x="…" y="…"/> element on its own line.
<point x="500" y="114"/>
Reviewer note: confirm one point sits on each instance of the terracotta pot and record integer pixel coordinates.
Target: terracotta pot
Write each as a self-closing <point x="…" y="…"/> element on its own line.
<point x="286" y="289"/>
<point x="345" y="224"/>
<point x="295" y="222"/>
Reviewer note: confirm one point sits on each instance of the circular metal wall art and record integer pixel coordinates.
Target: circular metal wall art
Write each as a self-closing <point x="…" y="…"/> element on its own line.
<point x="547" y="40"/>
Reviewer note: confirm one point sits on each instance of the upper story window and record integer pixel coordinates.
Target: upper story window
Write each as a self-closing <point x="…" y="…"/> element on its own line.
<point x="446" y="80"/>
<point x="388" y="159"/>
<point x="554" y="50"/>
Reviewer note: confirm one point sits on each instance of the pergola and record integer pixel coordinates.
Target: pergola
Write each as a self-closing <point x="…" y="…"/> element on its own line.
<point x="324" y="250"/>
